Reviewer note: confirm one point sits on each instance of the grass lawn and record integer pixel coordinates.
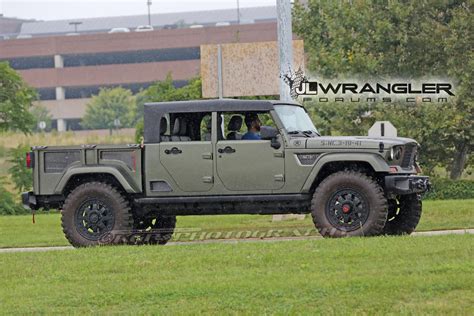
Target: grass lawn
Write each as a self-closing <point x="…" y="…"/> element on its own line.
<point x="380" y="275"/>
<point x="18" y="231"/>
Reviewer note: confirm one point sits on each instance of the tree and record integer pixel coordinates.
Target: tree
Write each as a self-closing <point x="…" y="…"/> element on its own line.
<point x="164" y="91"/>
<point x="460" y="51"/>
<point x="109" y="105"/>
<point x="8" y="205"/>
<point x="21" y="175"/>
<point x="379" y="39"/>
<point x="16" y="98"/>
<point x="41" y="114"/>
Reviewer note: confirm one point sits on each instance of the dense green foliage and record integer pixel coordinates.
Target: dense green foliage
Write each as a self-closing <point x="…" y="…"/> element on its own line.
<point x="16" y="98"/>
<point x="22" y="176"/>
<point x="8" y="204"/>
<point x="109" y="105"/>
<point x="41" y="114"/>
<point x="444" y="189"/>
<point x="396" y="39"/>
<point x="353" y="276"/>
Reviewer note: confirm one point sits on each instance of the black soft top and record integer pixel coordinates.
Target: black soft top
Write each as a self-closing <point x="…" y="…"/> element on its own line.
<point x="154" y="111"/>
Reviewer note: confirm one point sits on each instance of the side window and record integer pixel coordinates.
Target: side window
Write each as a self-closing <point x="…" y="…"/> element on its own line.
<point x="187" y="127"/>
<point x="165" y="133"/>
<point x="245" y="125"/>
<point x="232" y="126"/>
<point x="206" y="127"/>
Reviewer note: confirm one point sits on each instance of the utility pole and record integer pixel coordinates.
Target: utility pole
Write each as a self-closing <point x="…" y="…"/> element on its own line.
<point x="75" y="25"/>
<point x="238" y="12"/>
<point x="285" y="45"/>
<point x="148" y="3"/>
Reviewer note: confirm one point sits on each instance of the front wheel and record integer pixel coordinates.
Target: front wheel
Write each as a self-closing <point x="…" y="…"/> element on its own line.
<point x="349" y="203"/>
<point x="153" y="230"/>
<point x="404" y="214"/>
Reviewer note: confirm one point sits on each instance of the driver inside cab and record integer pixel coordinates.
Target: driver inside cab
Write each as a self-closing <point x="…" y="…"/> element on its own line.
<point x="253" y="124"/>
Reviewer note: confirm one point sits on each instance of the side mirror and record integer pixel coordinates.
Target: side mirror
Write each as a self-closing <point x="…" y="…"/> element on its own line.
<point x="270" y="133"/>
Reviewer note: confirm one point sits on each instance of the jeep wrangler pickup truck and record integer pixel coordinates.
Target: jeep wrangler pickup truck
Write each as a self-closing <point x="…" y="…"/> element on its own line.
<point x="193" y="161"/>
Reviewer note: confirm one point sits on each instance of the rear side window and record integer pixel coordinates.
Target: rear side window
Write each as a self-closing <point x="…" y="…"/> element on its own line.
<point x="127" y="157"/>
<point x="186" y="127"/>
<point x="57" y="162"/>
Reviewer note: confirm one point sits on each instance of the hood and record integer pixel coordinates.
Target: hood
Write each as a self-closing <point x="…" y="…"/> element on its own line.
<point x="356" y="142"/>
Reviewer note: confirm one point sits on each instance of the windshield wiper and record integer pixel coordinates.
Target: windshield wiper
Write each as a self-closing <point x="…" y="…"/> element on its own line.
<point x="310" y="132"/>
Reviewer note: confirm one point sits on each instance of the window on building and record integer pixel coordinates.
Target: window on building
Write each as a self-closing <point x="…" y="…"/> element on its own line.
<point x="22" y="63"/>
<point x="132" y="57"/>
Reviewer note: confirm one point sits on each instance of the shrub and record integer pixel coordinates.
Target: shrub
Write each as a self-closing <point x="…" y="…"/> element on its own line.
<point x="22" y="176"/>
<point x="8" y="205"/>
<point x="444" y="189"/>
<point x="139" y="130"/>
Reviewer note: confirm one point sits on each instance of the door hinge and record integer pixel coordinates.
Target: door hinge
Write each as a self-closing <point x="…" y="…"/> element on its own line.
<point x="207" y="156"/>
<point x="279" y="178"/>
<point x="208" y="179"/>
<point x="279" y="154"/>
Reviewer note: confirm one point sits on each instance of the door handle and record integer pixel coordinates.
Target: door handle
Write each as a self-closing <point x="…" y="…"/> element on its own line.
<point x="226" y="150"/>
<point x="207" y="156"/>
<point x="173" y="151"/>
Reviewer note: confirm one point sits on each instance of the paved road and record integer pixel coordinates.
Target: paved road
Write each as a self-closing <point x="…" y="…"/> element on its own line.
<point x="236" y="241"/>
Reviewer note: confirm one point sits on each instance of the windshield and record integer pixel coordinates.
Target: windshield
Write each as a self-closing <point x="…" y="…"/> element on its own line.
<point x="295" y="119"/>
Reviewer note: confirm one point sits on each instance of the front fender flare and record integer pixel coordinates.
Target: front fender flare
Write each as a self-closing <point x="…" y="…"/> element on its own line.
<point x="374" y="160"/>
<point x="128" y="185"/>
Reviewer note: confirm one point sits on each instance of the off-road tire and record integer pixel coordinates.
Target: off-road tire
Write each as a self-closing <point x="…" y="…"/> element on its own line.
<point x="113" y="201"/>
<point x="152" y="231"/>
<point x="366" y="204"/>
<point x="404" y="215"/>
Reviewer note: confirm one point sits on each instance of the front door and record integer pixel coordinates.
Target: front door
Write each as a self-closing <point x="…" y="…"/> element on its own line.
<point x="250" y="165"/>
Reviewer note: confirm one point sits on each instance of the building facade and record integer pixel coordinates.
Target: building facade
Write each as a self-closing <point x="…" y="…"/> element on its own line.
<point x="68" y="70"/>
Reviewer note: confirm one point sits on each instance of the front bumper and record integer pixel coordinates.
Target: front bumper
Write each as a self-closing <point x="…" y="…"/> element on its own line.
<point x="29" y="200"/>
<point x="407" y="184"/>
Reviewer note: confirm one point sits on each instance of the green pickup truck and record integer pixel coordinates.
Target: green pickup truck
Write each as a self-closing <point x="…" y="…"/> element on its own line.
<point x="197" y="159"/>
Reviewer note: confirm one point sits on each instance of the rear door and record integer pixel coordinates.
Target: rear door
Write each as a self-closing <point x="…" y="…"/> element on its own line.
<point x="188" y="157"/>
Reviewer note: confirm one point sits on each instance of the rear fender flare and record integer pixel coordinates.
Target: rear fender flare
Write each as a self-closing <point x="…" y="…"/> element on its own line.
<point x="128" y="185"/>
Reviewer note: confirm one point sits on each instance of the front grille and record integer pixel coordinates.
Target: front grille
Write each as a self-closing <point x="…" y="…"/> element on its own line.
<point x="408" y="159"/>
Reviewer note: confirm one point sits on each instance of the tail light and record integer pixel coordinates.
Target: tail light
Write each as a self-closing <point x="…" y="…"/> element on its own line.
<point x="30" y="159"/>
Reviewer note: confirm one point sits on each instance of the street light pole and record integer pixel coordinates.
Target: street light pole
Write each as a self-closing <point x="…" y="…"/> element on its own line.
<point x="148" y="3"/>
<point x="285" y="45"/>
<point x="75" y="25"/>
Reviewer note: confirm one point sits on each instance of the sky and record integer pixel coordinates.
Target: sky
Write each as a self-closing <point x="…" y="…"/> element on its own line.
<point x="72" y="9"/>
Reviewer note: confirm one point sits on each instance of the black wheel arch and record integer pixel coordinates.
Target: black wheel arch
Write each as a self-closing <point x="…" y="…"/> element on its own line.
<point x="335" y="166"/>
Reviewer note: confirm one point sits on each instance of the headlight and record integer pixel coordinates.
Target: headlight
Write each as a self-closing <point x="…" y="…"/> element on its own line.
<point x="396" y="153"/>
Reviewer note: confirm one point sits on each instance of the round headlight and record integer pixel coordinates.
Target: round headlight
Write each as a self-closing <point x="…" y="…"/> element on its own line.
<point x="398" y="153"/>
<point x="392" y="153"/>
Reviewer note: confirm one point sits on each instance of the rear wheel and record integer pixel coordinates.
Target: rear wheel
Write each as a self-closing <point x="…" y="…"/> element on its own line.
<point x="349" y="203"/>
<point x="404" y="214"/>
<point x="95" y="213"/>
